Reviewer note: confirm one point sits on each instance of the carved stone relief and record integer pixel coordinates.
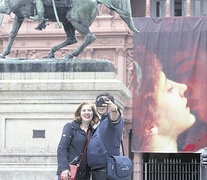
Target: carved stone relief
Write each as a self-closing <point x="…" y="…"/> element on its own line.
<point x="103" y="10"/>
<point x="129" y="68"/>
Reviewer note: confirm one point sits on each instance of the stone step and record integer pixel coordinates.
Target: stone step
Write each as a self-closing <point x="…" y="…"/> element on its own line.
<point x="28" y="174"/>
<point x="28" y="158"/>
<point x="31" y="166"/>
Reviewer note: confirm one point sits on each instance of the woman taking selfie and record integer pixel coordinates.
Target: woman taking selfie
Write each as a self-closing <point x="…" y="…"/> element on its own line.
<point x="73" y="142"/>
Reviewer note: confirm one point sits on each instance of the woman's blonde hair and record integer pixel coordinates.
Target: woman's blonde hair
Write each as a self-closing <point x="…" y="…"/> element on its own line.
<point x="77" y="116"/>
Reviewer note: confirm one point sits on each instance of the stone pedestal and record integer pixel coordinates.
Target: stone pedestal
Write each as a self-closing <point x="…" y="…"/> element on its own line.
<point x="37" y="97"/>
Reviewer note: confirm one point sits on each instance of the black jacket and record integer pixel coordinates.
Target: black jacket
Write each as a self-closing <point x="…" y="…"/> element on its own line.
<point x="71" y="145"/>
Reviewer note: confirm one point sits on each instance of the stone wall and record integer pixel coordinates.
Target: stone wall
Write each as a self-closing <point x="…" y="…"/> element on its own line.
<point x="36" y="103"/>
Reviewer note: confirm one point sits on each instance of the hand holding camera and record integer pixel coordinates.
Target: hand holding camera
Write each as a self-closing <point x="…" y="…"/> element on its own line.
<point x="102" y="102"/>
<point x="105" y="102"/>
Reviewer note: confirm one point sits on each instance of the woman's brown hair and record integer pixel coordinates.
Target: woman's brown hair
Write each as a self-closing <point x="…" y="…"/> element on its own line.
<point x="147" y="89"/>
<point x="77" y="117"/>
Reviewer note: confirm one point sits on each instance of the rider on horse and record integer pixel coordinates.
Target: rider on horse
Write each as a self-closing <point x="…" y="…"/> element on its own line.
<point x="5" y="8"/>
<point x="40" y="14"/>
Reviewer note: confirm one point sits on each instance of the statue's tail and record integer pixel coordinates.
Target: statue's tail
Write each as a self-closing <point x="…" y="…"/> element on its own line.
<point x="123" y="8"/>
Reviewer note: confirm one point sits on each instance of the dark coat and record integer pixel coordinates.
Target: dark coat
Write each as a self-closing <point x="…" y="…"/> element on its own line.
<point x="71" y="145"/>
<point x="110" y="134"/>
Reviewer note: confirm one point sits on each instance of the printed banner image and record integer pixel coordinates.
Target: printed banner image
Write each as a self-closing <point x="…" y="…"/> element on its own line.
<point x="170" y="85"/>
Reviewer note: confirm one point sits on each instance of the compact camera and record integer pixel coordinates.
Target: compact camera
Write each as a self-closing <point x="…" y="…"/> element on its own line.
<point x="101" y="101"/>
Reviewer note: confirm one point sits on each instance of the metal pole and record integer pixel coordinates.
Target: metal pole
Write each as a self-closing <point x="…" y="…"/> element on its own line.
<point x="203" y="165"/>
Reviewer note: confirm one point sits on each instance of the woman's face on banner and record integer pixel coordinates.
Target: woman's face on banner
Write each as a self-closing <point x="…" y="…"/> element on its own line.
<point x="172" y="105"/>
<point x="198" y="98"/>
<point x="197" y="91"/>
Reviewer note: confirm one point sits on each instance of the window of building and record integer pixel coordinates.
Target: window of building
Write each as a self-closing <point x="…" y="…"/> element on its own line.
<point x="158" y="9"/>
<point x="178" y="8"/>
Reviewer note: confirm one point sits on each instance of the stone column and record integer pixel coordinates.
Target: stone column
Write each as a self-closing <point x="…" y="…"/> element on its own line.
<point x="126" y="141"/>
<point x="188" y="8"/>
<point x="137" y="168"/>
<point x="147" y="13"/>
<point x="121" y="63"/>
<point x="167" y="8"/>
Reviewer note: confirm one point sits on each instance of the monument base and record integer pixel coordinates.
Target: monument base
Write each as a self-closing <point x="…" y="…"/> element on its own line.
<point x="35" y="105"/>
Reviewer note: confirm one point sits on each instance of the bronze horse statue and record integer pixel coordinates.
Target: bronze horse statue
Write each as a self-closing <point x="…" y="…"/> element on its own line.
<point x="79" y="16"/>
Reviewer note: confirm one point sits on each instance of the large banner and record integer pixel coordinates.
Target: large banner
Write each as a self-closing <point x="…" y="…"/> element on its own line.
<point x="170" y="85"/>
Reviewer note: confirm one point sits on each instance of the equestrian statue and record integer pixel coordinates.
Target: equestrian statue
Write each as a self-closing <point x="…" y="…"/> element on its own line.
<point x="73" y="14"/>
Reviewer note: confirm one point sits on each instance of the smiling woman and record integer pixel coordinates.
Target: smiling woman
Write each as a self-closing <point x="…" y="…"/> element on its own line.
<point x="75" y="137"/>
<point x="162" y="110"/>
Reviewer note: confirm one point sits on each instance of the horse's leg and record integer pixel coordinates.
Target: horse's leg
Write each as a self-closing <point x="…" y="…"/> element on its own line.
<point x="17" y="24"/>
<point x="71" y="39"/>
<point x="81" y="23"/>
<point x="88" y="39"/>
